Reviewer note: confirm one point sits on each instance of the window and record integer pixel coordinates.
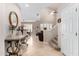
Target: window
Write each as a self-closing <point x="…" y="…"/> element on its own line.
<point x="28" y="27"/>
<point x="47" y="26"/>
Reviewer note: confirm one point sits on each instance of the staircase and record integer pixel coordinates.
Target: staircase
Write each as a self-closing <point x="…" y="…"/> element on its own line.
<point x="54" y="41"/>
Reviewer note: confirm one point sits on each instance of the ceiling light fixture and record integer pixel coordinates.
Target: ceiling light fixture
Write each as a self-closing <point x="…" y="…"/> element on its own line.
<point x="27" y="5"/>
<point x="53" y="12"/>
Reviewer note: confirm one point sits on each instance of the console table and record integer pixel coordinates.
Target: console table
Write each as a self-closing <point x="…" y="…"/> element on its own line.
<point x="14" y="40"/>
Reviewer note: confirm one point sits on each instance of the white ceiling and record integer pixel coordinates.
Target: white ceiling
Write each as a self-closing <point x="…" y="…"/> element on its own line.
<point x="30" y="13"/>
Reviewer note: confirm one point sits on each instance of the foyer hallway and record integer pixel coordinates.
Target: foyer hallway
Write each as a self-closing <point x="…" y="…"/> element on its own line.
<point x="37" y="48"/>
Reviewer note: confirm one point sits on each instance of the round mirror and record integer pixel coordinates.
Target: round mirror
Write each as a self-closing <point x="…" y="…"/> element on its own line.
<point x="13" y="19"/>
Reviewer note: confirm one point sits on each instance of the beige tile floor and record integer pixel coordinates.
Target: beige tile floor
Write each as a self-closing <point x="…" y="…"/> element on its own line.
<point x="36" y="48"/>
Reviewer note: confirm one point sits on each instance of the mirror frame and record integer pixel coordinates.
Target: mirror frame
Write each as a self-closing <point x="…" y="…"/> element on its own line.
<point x="10" y="20"/>
<point x="59" y="20"/>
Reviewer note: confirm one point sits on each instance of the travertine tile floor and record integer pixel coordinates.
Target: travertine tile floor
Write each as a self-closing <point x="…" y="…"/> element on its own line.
<point x="36" y="48"/>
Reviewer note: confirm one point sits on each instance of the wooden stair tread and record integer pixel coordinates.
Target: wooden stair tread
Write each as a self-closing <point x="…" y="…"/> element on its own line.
<point x="53" y="45"/>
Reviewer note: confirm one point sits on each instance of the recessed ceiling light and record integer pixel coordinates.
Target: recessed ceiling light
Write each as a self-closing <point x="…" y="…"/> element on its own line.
<point x="27" y="5"/>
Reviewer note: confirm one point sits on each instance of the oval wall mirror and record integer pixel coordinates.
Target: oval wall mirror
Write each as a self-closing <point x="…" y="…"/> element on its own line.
<point x="13" y="19"/>
<point x="59" y="20"/>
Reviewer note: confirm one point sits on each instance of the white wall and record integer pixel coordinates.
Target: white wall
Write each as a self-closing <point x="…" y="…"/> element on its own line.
<point x="1" y="31"/>
<point x="58" y="15"/>
<point x="50" y="35"/>
<point x="46" y="16"/>
<point x="4" y="23"/>
<point x="59" y="29"/>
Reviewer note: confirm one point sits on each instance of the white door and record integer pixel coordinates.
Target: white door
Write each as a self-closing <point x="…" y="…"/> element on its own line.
<point x="75" y="30"/>
<point x="69" y="41"/>
<point x="78" y="27"/>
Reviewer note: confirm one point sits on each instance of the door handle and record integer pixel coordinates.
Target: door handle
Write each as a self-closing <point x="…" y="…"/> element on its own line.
<point x="76" y="33"/>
